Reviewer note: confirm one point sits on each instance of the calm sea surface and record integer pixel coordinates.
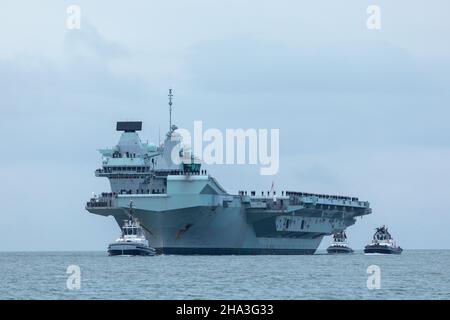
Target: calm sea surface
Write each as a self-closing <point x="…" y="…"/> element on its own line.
<point x="415" y="274"/>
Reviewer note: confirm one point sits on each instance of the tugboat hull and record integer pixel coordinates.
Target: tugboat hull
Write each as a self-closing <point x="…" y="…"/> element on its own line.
<point x="130" y="250"/>
<point x="382" y="249"/>
<point x="336" y="250"/>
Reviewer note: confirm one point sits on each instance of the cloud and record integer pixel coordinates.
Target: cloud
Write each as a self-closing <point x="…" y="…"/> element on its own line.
<point x="85" y="74"/>
<point x="88" y="41"/>
<point x="248" y="65"/>
<point x="55" y="105"/>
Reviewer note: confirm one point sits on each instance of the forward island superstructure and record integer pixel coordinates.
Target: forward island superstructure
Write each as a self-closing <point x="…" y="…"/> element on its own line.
<point x="184" y="210"/>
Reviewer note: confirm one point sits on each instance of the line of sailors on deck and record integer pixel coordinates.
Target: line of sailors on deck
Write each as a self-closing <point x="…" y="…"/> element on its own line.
<point x="324" y="196"/>
<point x="301" y="194"/>
<point x="137" y="191"/>
<point x="253" y="193"/>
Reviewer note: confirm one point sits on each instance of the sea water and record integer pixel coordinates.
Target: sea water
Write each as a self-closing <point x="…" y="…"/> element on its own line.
<point x="415" y="274"/>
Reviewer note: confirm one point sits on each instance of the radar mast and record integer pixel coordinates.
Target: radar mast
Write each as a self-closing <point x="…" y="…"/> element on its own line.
<point x="170" y="109"/>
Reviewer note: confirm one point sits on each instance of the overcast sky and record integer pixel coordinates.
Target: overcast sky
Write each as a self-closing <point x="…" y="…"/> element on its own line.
<point x="361" y="112"/>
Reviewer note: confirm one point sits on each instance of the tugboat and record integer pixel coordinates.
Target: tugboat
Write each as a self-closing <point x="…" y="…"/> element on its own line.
<point x="382" y="243"/>
<point x="339" y="244"/>
<point x="132" y="242"/>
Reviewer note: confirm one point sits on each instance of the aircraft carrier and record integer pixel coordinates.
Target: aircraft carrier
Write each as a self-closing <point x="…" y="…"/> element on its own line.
<point x="184" y="210"/>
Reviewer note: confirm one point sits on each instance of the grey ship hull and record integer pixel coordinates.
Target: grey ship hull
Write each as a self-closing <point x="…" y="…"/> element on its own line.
<point x="230" y="225"/>
<point x="219" y="232"/>
<point x="204" y="232"/>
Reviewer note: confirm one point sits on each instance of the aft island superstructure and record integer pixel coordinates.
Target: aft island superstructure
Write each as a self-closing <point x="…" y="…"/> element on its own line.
<point x="184" y="210"/>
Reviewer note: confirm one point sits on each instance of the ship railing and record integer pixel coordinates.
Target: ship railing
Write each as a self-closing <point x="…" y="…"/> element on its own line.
<point x="145" y="170"/>
<point x="327" y="199"/>
<point x="142" y="191"/>
<point x="105" y="199"/>
<point x="266" y="203"/>
<point x="122" y="173"/>
<point x="96" y="204"/>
